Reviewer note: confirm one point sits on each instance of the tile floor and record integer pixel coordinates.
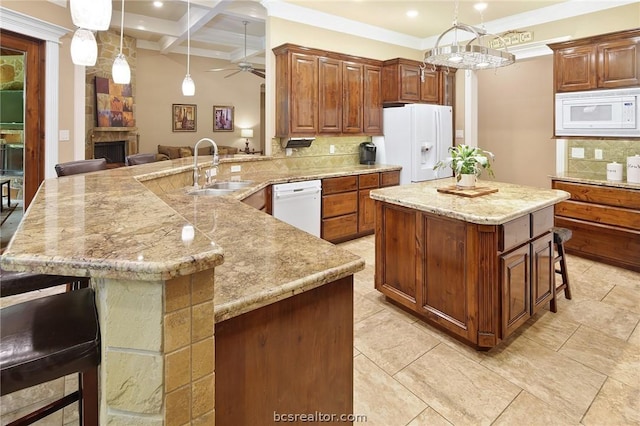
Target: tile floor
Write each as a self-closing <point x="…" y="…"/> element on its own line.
<point x="580" y="366"/>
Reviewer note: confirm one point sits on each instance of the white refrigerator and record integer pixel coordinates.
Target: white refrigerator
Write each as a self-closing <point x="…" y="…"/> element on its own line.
<point x="416" y="137"/>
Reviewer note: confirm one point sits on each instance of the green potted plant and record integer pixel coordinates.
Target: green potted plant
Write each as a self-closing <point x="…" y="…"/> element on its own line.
<point x="467" y="162"/>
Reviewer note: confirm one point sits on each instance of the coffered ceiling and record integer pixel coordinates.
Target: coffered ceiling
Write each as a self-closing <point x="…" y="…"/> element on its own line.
<point x="217" y="29"/>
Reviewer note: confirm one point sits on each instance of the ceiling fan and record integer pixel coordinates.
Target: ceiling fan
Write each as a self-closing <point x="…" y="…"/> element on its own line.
<point x="243" y="66"/>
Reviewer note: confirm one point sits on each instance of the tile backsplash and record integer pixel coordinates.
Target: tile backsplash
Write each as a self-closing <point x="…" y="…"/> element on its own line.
<point x="318" y="154"/>
<point x="612" y="150"/>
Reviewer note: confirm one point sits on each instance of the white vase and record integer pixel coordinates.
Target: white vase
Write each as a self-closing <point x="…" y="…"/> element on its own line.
<point x="466" y="181"/>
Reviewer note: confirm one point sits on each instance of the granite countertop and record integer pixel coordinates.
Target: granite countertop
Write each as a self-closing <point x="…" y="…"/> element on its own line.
<point x="593" y="179"/>
<point x="108" y="224"/>
<point x="510" y="202"/>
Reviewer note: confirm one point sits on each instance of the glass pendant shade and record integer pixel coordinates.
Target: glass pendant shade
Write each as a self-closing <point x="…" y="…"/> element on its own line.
<point x="188" y="86"/>
<point x="120" y="72"/>
<point x="84" y="49"/>
<point x="91" y="14"/>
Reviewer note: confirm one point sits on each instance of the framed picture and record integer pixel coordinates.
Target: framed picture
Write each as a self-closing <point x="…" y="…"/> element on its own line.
<point x="222" y="118"/>
<point x="184" y="118"/>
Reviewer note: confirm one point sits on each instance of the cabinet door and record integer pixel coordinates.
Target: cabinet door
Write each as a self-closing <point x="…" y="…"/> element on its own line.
<point x="409" y="83"/>
<point x="541" y="272"/>
<point x="304" y="94"/>
<point x="372" y="100"/>
<point x="619" y="63"/>
<point x="514" y="278"/>
<point x="352" y="97"/>
<point x="366" y="212"/>
<point x="329" y="95"/>
<point x="429" y="86"/>
<point x="575" y="68"/>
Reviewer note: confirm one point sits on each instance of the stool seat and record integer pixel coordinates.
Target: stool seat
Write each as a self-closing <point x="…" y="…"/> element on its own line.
<point x="12" y="283"/>
<point x="47" y="338"/>
<point x="561" y="235"/>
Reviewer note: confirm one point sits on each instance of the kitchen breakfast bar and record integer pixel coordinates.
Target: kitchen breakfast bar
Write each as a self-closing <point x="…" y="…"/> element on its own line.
<point x="476" y="267"/>
<point x="273" y="336"/>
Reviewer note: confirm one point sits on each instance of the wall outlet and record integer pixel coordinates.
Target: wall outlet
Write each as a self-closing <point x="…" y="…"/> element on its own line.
<point x="236" y="169"/>
<point x="64" y="135"/>
<point x="332" y="149"/>
<point x="459" y="134"/>
<point x="597" y="154"/>
<point x="577" y="152"/>
<point x="288" y="151"/>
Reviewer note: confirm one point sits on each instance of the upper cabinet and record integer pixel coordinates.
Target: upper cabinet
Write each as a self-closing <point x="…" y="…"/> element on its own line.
<point x="326" y="93"/>
<point x="408" y="81"/>
<point x="608" y="61"/>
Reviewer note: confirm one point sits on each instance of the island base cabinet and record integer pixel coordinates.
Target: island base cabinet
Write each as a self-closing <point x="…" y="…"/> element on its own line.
<point x="291" y="357"/>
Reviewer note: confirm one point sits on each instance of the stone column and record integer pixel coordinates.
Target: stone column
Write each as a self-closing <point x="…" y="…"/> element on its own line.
<point x="157" y="351"/>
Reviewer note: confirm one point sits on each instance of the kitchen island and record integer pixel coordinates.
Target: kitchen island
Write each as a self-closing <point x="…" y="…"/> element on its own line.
<point x="281" y="315"/>
<point x="475" y="267"/>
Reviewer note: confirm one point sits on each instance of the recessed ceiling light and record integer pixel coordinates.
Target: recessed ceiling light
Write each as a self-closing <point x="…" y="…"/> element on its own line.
<point x="158" y="3"/>
<point x="480" y="6"/>
<point x="412" y="13"/>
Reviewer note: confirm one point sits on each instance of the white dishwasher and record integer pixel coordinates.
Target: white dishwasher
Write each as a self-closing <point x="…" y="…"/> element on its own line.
<point x="299" y="204"/>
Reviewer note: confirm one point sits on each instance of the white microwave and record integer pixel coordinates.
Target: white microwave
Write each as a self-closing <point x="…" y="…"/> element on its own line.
<point x="601" y="113"/>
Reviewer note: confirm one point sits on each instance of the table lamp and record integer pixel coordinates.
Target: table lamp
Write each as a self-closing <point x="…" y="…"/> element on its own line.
<point x="246" y="133"/>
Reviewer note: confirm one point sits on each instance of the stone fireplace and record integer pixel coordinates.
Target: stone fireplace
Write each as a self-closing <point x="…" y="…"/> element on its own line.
<point x="113" y="143"/>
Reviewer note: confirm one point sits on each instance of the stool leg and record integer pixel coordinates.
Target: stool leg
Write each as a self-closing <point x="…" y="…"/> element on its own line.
<point x="88" y="408"/>
<point x="563" y="271"/>
<point x="552" y="304"/>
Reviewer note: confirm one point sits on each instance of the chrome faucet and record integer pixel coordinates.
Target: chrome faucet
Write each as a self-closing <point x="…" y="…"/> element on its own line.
<point x="209" y="173"/>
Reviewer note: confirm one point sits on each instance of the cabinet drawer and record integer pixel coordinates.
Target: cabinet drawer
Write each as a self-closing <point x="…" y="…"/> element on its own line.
<point x="339" y="204"/>
<point x="342" y="227"/>
<point x="339" y="184"/>
<point x="369" y="181"/>
<point x="390" y="178"/>
<point x="514" y="233"/>
<point x="615" y="216"/>
<point x="541" y="221"/>
<point x="617" y="197"/>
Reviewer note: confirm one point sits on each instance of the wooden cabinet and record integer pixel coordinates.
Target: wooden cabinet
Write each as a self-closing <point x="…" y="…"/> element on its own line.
<point x="326" y="93"/>
<point x="604" y="220"/>
<point x="407" y="81"/>
<point x="601" y="62"/>
<point x="348" y="212"/>
<point x="260" y="200"/>
<point x="477" y="282"/>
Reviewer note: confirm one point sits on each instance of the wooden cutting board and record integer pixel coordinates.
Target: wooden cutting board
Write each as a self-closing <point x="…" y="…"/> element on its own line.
<point x="467" y="192"/>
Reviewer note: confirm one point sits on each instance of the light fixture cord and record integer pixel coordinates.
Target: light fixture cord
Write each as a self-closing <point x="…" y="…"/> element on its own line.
<point x="121" y="26"/>
<point x="188" y="34"/>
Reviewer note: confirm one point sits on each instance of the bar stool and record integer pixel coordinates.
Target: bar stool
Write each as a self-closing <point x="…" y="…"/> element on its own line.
<point x="80" y="166"/>
<point x="47" y="338"/>
<point x="135" y="159"/>
<point x="560" y="236"/>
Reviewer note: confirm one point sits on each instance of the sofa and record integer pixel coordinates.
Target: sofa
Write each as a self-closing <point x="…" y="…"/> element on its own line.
<point x="173" y="152"/>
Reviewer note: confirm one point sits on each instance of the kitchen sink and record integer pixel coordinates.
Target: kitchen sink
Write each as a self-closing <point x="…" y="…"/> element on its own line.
<point x="231" y="184"/>
<point x="212" y="192"/>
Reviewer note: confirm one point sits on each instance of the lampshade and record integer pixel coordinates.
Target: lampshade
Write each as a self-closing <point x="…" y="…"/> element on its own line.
<point x="246" y="133"/>
<point x="120" y="72"/>
<point x="91" y="14"/>
<point x="188" y="86"/>
<point x="84" y="49"/>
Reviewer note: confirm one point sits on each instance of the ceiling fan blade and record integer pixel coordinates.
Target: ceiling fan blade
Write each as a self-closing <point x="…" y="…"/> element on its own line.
<point x="257" y="72"/>
<point x="233" y="73"/>
<point x="259" y="69"/>
<point x="220" y="69"/>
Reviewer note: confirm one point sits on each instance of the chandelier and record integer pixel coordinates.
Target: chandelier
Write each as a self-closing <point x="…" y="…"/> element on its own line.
<point x="473" y="55"/>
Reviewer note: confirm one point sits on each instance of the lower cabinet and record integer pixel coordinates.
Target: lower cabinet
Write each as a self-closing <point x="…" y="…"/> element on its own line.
<point x="477" y="282"/>
<point x="260" y="200"/>
<point x="347" y="210"/>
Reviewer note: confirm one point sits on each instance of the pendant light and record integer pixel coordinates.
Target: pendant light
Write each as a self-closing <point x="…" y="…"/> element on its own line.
<point x="91" y="14"/>
<point x="120" y="71"/>
<point x="84" y="49"/>
<point x="188" y="86"/>
<point x="473" y="55"/>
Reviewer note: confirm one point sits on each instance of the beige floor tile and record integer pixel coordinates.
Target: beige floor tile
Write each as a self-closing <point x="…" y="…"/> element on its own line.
<point x="601" y="316"/>
<point x="390" y="342"/>
<point x="380" y="298"/>
<point x="625" y="298"/>
<point x="458" y="346"/>
<point x="609" y="355"/>
<point x="616" y="404"/>
<point x="27" y="397"/>
<point x="618" y="276"/>
<point x="378" y="396"/>
<point x="54" y="419"/>
<point x="577" y="264"/>
<point x="429" y="417"/>
<point x="568" y="386"/>
<point x="549" y="329"/>
<point x="461" y="390"/>
<point x="528" y="410"/>
<point x="635" y="336"/>
<point x="364" y="307"/>
<point x="586" y="287"/>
